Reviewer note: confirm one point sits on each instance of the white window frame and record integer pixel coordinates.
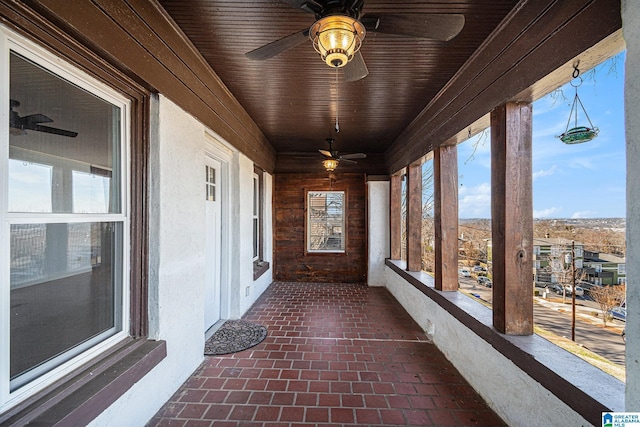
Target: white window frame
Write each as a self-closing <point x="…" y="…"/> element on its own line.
<point x="11" y="41"/>
<point x="622" y="269"/>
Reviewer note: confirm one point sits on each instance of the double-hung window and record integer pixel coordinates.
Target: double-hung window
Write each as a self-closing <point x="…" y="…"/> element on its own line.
<point x="63" y="218"/>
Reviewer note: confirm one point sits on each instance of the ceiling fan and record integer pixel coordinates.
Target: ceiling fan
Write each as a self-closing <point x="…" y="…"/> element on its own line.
<point x="333" y="158"/>
<point x="19" y="124"/>
<point x="348" y="18"/>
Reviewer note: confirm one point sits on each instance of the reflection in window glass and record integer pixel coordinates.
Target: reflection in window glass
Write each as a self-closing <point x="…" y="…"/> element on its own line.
<point x="90" y="193"/>
<point x="65" y="291"/>
<point x="325" y="221"/>
<point x="68" y="129"/>
<point x="31" y="183"/>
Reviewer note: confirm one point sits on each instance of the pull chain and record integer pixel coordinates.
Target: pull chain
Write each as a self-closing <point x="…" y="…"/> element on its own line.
<point x="337" y="128"/>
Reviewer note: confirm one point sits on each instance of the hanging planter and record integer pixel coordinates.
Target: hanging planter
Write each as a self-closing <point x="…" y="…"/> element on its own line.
<point x="578" y="134"/>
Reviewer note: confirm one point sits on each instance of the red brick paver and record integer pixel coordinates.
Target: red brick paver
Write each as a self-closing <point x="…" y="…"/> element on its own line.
<point x="335" y="354"/>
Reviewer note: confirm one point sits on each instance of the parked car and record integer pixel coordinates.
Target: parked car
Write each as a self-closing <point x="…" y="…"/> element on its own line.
<point x="579" y="290"/>
<point x="555" y="288"/>
<point x="464" y="272"/>
<point x="619" y="313"/>
<point x="485" y="281"/>
<point x="478" y="268"/>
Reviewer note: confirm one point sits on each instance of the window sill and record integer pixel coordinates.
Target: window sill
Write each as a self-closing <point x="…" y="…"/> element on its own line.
<point x="259" y="268"/>
<point x="581" y="386"/>
<point x="81" y="397"/>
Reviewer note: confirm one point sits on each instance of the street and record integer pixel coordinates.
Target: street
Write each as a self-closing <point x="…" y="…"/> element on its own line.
<point x="554" y="316"/>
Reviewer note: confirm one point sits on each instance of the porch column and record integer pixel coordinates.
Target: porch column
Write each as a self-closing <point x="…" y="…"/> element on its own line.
<point x="414" y="217"/>
<point x="512" y="218"/>
<point x="445" y="172"/>
<point x="631" y="31"/>
<point x="395" y="216"/>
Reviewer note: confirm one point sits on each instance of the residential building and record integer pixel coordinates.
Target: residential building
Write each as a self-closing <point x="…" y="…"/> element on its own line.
<point x="552" y="259"/>
<point x="604" y="269"/>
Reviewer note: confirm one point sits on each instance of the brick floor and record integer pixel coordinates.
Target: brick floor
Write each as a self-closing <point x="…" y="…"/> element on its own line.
<point x="335" y="354"/>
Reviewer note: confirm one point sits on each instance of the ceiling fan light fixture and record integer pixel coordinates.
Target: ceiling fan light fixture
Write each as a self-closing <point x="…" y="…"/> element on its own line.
<point x="330" y="164"/>
<point x="337" y="38"/>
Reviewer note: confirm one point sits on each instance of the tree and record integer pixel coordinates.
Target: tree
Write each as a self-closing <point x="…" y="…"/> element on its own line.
<point x="428" y="224"/>
<point x="608" y="297"/>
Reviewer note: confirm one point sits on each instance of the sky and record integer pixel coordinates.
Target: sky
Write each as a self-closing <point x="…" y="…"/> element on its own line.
<point x="584" y="180"/>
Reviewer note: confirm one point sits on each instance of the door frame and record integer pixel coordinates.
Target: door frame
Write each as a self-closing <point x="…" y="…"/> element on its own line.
<point x="218" y="151"/>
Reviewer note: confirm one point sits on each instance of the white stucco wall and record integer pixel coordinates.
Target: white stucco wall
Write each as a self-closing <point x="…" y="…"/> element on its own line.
<point x="378" y="233"/>
<point x="631" y="33"/>
<point x="176" y="252"/>
<point x="250" y="290"/>
<point x="177" y="255"/>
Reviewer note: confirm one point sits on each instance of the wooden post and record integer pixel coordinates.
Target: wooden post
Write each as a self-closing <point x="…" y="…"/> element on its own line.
<point x="395" y="214"/>
<point x="445" y="173"/>
<point x="414" y="217"/>
<point x="512" y="218"/>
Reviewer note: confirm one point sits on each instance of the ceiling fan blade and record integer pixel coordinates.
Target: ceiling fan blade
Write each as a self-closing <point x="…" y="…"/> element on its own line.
<point x="32" y="120"/>
<point x="277" y="47"/>
<point x="306" y="5"/>
<point x="54" y="131"/>
<point x="442" y="27"/>
<point x="355" y="69"/>
<point x="326" y="153"/>
<point x="347" y="161"/>
<point x="353" y="156"/>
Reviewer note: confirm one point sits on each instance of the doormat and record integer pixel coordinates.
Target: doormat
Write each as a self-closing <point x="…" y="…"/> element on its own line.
<point x="234" y="336"/>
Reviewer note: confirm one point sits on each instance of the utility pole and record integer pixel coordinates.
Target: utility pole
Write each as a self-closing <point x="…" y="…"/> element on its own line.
<point x="573" y="290"/>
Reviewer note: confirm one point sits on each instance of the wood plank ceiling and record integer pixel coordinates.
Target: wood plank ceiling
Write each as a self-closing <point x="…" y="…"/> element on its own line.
<point x="293" y="96"/>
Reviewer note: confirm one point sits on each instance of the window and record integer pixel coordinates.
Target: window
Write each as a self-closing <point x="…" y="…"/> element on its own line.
<point x="256" y="217"/>
<point x="597" y="267"/>
<point x="326" y="221"/>
<point x="64" y="219"/>
<point x="622" y="269"/>
<point x="210" y="183"/>
<point x="622" y="280"/>
<point x="536" y="250"/>
<point x="260" y="265"/>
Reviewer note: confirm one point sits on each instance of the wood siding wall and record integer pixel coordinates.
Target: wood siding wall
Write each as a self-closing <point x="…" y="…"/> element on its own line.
<point x="292" y="263"/>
